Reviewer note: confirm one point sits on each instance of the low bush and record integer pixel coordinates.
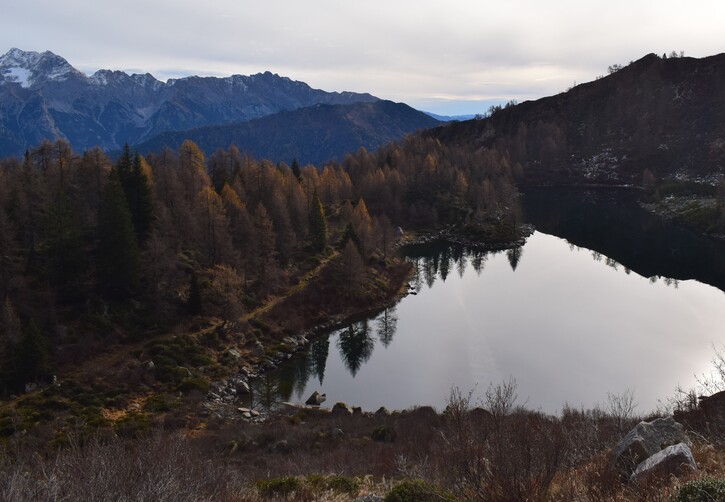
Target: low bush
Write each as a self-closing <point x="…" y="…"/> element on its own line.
<point x="705" y="489"/>
<point x="278" y="486"/>
<point x="417" y="491"/>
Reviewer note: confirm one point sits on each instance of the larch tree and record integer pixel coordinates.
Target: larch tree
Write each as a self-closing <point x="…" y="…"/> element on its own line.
<point x="362" y="223"/>
<point x="192" y="171"/>
<point x="264" y="243"/>
<point x="240" y="226"/>
<point x="213" y="226"/>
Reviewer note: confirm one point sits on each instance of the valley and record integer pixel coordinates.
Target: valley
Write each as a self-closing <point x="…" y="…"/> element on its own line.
<point x="184" y="266"/>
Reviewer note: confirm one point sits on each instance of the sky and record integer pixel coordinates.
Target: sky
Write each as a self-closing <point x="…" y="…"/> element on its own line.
<point x="453" y="57"/>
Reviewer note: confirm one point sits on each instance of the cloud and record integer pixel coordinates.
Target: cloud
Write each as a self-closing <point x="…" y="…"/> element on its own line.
<point x="405" y="50"/>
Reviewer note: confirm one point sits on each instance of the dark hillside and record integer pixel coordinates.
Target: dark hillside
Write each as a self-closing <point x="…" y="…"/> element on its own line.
<point x="312" y="135"/>
<point x="666" y="115"/>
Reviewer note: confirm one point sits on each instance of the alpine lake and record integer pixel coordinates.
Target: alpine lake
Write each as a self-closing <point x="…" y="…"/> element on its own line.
<point x="604" y="298"/>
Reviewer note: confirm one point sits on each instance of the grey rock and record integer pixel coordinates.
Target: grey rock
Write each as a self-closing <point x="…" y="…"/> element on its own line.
<point x="341" y="409"/>
<point x="646" y="439"/>
<point x="258" y="350"/>
<point x="673" y="460"/>
<point x="242" y="387"/>
<point x="316" y="399"/>
<point x="234" y="353"/>
<point x="383" y="411"/>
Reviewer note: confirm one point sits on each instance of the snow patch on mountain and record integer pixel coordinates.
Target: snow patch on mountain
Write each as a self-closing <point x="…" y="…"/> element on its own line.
<point x="18" y="75"/>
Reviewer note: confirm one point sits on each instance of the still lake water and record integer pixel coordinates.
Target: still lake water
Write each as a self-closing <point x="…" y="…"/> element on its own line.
<point x="569" y="323"/>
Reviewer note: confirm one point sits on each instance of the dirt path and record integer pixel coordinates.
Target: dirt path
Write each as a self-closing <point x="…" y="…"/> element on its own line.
<point x="115" y="355"/>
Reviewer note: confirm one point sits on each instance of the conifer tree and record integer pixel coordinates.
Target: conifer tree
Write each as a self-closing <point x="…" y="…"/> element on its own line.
<point x="137" y="189"/>
<point x="193" y="303"/>
<point x="118" y="254"/>
<point x="64" y="248"/>
<point x="296" y="169"/>
<point x="318" y="225"/>
<point x="32" y="356"/>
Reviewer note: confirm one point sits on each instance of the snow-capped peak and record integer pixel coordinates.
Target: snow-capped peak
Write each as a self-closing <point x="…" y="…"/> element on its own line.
<point x="28" y="67"/>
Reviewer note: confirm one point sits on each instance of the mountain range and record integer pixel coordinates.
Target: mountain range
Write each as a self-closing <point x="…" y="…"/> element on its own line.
<point x="43" y="97"/>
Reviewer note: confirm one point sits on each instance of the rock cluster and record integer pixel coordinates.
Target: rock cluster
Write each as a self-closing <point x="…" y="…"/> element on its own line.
<point x="660" y="446"/>
<point x="236" y="389"/>
<point x="454" y="235"/>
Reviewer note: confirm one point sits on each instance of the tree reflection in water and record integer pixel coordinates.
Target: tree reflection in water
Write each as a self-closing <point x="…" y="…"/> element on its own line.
<point x="356" y="345"/>
<point x="319" y="350"/>
<point x="387" y="323"/>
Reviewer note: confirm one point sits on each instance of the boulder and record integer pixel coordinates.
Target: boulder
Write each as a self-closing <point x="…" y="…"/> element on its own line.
<point x="242" y="387"/>
<point x="646" y="439"/>
<point x="382" y="411"/>
<point x="341" y="409"/>
<point x="673" y="460"/>
<point x="316" y="399"/>
<point x="258" y="350"/>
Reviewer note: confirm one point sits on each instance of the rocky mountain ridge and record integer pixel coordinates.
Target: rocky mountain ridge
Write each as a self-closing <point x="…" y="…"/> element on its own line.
<point x="43" y="97"/>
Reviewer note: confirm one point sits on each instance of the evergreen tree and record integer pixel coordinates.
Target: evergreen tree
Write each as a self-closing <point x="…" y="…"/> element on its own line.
<point x="193" y="303"/>
<point x="118" y="254"/>
<point x="66" y="260"/>
<point x="349" y="234"/>
<point x="318" y="225"/>
<point x="32" y="356"/>
<point x="137" y="189"/>
<point x="296" y="169"/>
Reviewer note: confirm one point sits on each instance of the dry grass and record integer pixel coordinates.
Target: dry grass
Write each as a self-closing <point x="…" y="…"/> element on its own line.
<point x="499" y="453"/>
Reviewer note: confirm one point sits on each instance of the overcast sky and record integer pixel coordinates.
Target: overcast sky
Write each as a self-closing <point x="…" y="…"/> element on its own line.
<point x="450" y="57"/>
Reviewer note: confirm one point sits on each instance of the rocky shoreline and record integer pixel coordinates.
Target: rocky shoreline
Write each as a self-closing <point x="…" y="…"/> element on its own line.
<point x="679" y="209"/>
<point x="458" y="236"/>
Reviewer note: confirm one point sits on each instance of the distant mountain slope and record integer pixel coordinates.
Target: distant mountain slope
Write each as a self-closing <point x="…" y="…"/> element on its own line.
<point x="450" y="118"/>
<point x="312" y="135"/>
<point x="665" y="115"/>
<point x="43" y="97"/>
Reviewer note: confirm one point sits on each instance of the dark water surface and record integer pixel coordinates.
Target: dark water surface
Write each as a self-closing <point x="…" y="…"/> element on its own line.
<point x="599" y="300"/>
